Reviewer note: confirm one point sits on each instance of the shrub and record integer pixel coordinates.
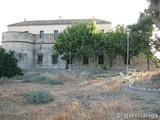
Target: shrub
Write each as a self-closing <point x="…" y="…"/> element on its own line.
<point x="42" y="79"/>
<point x="8" y="64"/>
<point x="105" y="67"/>
<point x="53" y="82"/>
<point x="156" y="111"/>
<point x="38" y="97"/>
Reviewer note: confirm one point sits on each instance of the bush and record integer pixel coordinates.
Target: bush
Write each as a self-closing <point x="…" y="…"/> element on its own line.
<point x="105" y="67"/>
<point x="38" y="97"/>
<point x="8" y="64"/>
<point x="41" y="78"/>
<point x="156" y="111"/>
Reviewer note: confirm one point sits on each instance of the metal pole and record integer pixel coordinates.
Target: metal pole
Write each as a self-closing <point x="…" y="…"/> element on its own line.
<point x="127" y="68"/>
<point x="70" y="58"/>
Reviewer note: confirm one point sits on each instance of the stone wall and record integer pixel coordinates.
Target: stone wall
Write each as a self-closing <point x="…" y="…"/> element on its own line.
<point x="22" y="44"/>
<point x="137" y="62"/>
<point x="46" y="51"/>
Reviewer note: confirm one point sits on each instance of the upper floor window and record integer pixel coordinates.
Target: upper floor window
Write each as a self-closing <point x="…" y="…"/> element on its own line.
<point x="55" y="34"/>
<point x="41" y="35"/>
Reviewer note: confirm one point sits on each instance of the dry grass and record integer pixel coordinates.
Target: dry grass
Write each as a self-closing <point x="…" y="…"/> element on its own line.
<point x="78" y="98"/>
<point x="149" y="79"/>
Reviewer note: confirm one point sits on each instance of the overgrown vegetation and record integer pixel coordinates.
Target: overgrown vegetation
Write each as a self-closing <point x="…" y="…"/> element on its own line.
<point x="8" y="64"/>
<point x="42" y="78"/>
<point x="38" y="97"/>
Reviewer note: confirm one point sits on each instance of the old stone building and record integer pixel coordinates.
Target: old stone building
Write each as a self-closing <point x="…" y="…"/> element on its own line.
<point x="32" y="41"/>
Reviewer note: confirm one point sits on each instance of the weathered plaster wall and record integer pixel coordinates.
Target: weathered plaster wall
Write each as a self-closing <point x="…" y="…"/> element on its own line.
<point x="22" y="44"/>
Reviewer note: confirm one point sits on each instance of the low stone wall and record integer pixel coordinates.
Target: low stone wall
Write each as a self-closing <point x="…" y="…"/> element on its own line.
<point x="137" y="62"/>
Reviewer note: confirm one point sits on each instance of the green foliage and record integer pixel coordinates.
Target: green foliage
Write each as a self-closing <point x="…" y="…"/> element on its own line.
<point x="156" y="111"/>
<point x="105" y="67"/>
<point x="82" y="38"/>
<point x="140" y="42"/>
<point x="114" y="43"/>
<point x="38" y="97"/>
<point x="8" y="64"/>
<point x="154" y="11"/>
<point x="156" y="61"/>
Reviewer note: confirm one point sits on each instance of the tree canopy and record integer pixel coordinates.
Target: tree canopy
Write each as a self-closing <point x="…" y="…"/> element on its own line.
<point x="86" y="39"/>
<point x="82" y="38"/>
<point x="141" y="33"/>
<point x="114" y="43"/>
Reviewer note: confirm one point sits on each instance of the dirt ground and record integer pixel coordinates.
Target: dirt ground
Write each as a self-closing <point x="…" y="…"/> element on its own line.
<point x="97" y="97"/>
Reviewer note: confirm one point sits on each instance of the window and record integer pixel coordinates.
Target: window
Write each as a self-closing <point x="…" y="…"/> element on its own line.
<point x="22" y="56"/>
<point x="101" y="59"/>
<point x="54" y="59"/>
<point x="85" y="60"/>
<point x="40" y="59"/>
<point x="41" y="34"/>
<point x="55" y="34"/>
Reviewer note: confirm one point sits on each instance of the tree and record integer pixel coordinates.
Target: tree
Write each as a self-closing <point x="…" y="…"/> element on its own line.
<point x="113" y="43"/>
<point x="154" y="11"/>
<point x="140" y="37"/>
<point x="81" y="38"/>
<point x="8" y="64"/>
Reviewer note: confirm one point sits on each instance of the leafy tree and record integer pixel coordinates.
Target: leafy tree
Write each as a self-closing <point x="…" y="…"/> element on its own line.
<point x="81" y="38"/>
<point x="113" y="43"/>
<point x="8" y="64"/>
<point x="140" y="37"/>
<point x="154" y="11"/>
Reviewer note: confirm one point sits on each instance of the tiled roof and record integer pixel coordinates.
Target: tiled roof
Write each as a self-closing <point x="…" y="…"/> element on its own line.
<point x="56" y="22"/>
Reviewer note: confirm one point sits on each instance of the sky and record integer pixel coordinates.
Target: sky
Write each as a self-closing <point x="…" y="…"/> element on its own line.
<point x="116" y="11"/>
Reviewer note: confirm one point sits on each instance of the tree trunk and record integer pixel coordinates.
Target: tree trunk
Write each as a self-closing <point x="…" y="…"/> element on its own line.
<point x="110" y="62"/>
<point x="148" y="66"/>
<point x="66" y="64"/>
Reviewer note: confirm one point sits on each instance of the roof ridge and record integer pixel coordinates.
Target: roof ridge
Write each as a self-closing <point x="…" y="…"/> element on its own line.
<point x="56" y="22"/>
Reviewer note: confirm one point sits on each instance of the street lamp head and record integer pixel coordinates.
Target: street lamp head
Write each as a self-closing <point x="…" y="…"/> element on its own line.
<point x="128" y="31"/>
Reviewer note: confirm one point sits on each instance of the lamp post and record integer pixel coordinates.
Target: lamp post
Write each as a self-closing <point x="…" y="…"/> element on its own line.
<point x="70" y="57"/>
<point x="127" y="68"/>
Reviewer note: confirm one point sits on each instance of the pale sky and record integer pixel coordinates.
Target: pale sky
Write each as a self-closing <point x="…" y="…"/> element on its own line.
<point x="116" y="11"/>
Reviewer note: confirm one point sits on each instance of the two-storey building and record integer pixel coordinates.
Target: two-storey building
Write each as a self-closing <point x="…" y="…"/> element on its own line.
<point x="33" y="41"/>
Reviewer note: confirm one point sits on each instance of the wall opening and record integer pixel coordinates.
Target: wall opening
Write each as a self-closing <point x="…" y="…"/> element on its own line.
<point x="101" y="59"/>
<point x="85" y="60"/>
<point x="39" y="59"/>
<point x="54" y="59"/>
